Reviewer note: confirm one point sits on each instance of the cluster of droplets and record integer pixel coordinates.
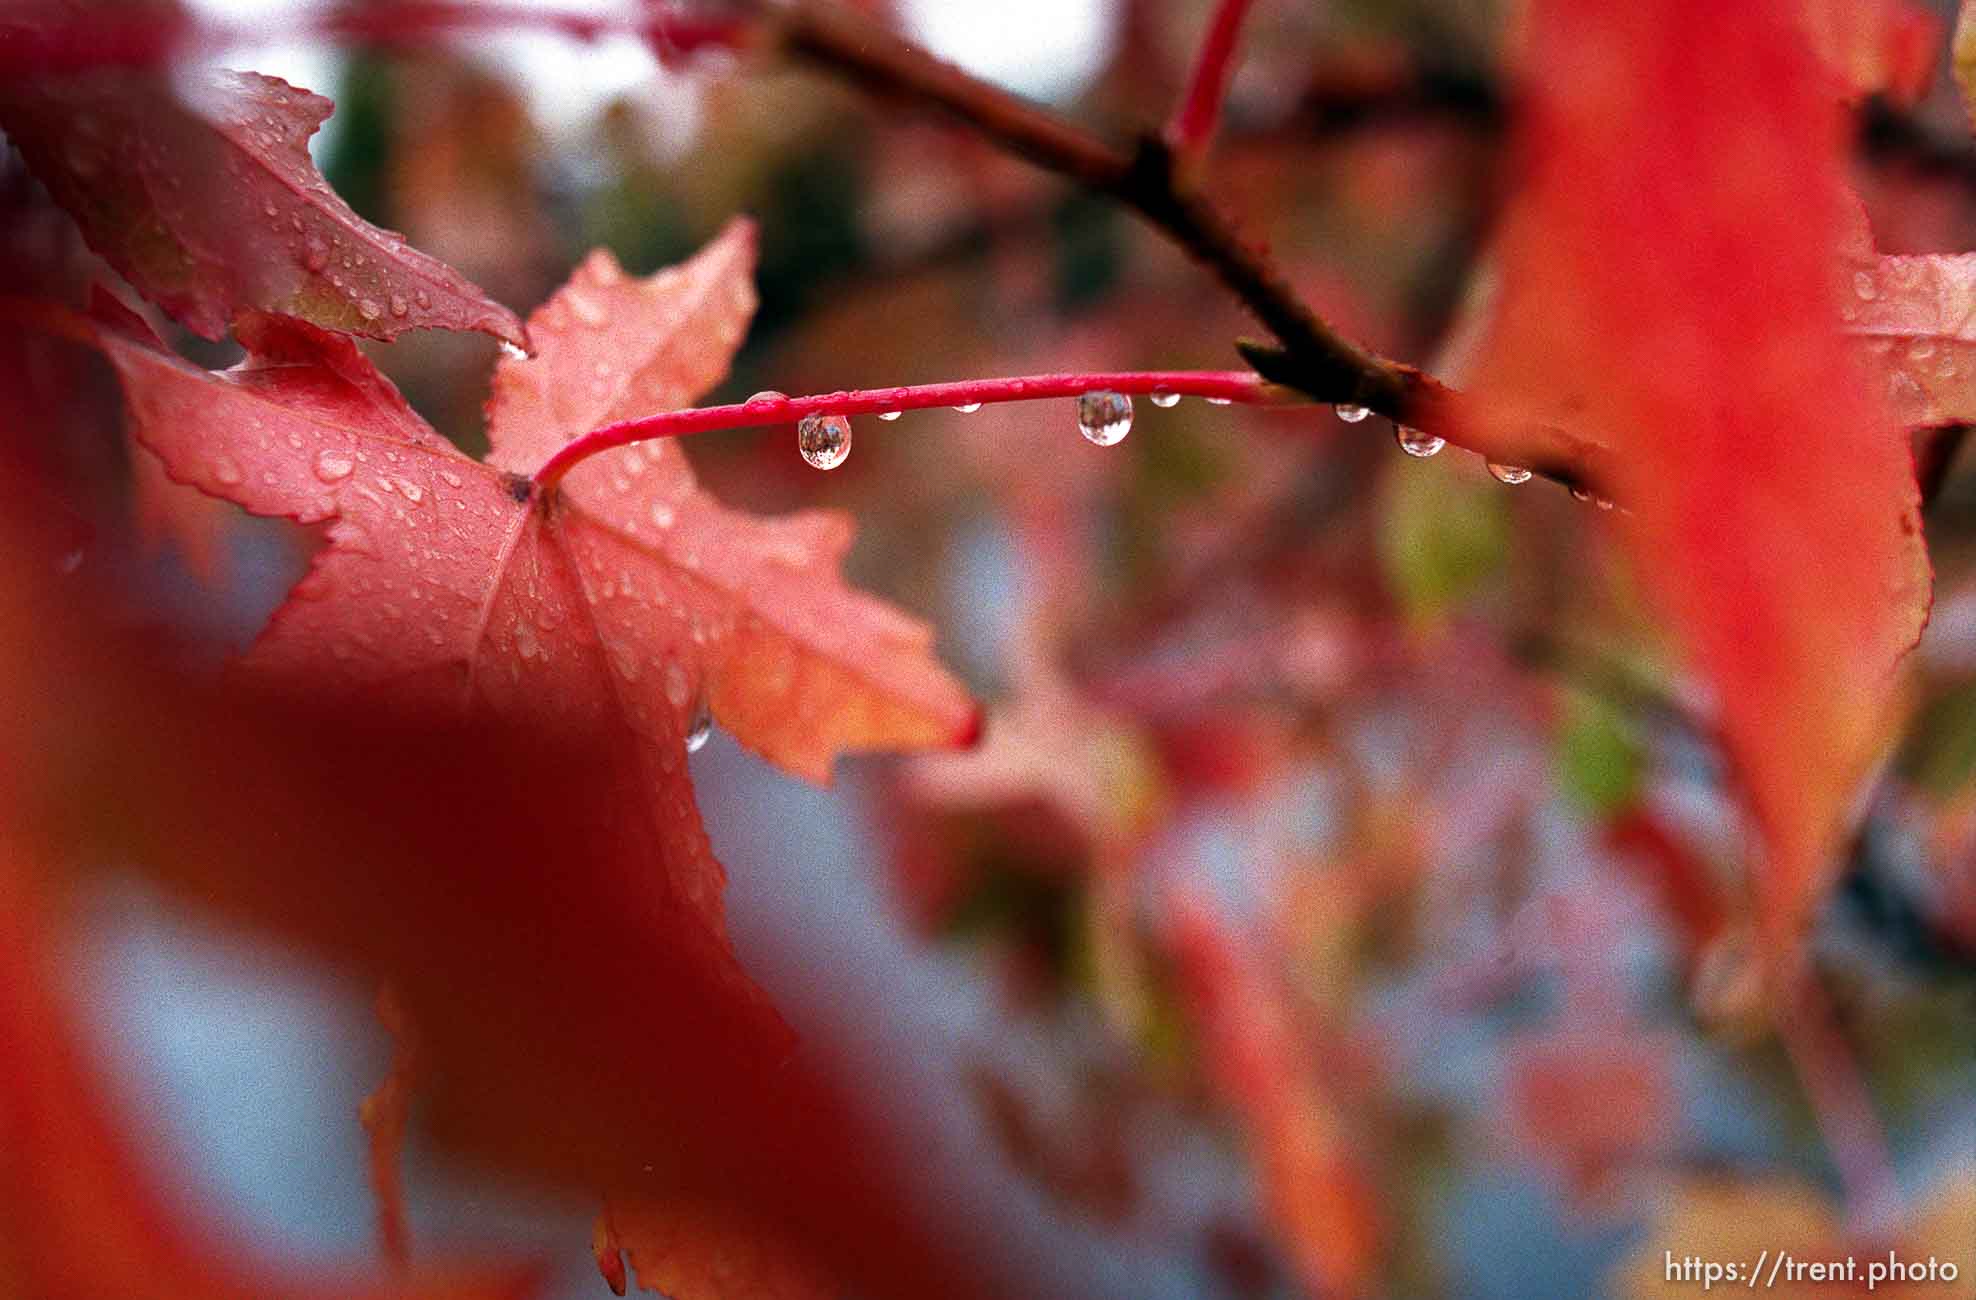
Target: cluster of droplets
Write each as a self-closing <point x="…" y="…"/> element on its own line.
<point x="1104" y="417"/>
<point x="824" y="440"/>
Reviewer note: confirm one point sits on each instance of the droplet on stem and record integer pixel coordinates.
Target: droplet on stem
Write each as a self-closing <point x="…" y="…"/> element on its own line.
<point x="1165" y="399"/>
<point x="1219" y="401"/>
<point x="1104" y="417"/>
<point x="700" y="726"/>
<point x="889" y="416"/>
<point x="1416" y="442"/>
<point x="1353" y="414"/>
<point x="968" y="408"/>
<point x="1511" y="474"/>
<point x="824" y="440"/>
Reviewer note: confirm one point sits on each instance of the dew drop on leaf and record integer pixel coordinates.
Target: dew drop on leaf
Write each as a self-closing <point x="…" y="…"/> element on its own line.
<point x="1417" y="442"/>
<point x="334" y="466"/>
<point x="1164" y="399"/>
<point x="1104" y="417"/>
<point x="1511" y="474"/>
<point x="1353" y="414"/>
<point x="824" y="440"/>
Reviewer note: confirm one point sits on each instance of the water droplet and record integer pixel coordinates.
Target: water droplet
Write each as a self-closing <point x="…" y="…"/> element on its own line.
<point x="968" y="408"/>
<point x="399" y="307"/>
<point x="1511" y="474"/>
<point x="413" y="492"/>
<point x="1863" y="286"/>
<point x="369" y="309"/>
<point x="824" y="440"/>
<point x="1353" y="414"/>
<point x="1104" y="417"/>
<point x="225" y="470"/>
<point x="700" y="727"/>
<point x="511" y="351"/>
<point x="1165" y="400"/>
<point x="422" y="298"/>
<point x="334" y="466"/>
<point x="1219" y="401"/>
<point x="1417" y="442"/>
<point x="767" y="395"/>
<point x="889" y="416"/>
<point x="314" y="256"/>
<point x="662" y="514"/>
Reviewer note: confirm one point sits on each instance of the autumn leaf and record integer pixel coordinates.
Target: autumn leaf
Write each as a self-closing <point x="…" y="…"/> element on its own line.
<point x="1917" y="316"/>
<point x="1313" y="1184"/>
<point x="1676" y="299"/>
<point x="201" y="194"/>
<point x="1878" y="47"/>
<point x="618" y="600"/>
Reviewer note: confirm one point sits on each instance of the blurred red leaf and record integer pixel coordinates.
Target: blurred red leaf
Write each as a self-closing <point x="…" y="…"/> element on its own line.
<point x="1676" y="298"/>
<point x="691" y="1253"/>
<point x="1878" y="47"/>
<point x="1316" y="1191"/>
<point x="205" y="199"/>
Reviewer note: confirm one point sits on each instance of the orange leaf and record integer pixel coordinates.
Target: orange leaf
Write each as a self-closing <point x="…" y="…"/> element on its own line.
<point x="1313" y="1185"/>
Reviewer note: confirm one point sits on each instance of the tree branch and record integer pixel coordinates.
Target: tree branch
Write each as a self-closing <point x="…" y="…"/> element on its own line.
<point x="1191" y="129"/>
<point x="1308" y="355"/>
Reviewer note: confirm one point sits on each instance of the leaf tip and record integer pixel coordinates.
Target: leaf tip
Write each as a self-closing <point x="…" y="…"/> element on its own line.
<point x="610" y="1257"/>
<point x="973" y="727"/>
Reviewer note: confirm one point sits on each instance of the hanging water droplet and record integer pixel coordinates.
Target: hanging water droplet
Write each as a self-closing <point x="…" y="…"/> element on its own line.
<point x="700" y="727"/>
<point x="513" y="352"/>
<point x="1416" y="442"/>
<point x="1219" y="401"/>
<point x="968" y="408"/>
<point x="889" y="416"/>
<point x="1104" y="417"/>
<point x="1353" y="414"/>
<point x="824" y="440"/>
<point x="1165" y="400"/>
<point x="1511" y="474"/>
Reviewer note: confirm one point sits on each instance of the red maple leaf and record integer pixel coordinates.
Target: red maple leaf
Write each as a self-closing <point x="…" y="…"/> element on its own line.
<point x="613" y="603"/>
<point x="1669" y="286"/>
<point x="205" y="199"/>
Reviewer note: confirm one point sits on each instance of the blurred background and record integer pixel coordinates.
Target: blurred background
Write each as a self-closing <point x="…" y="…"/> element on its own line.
<point x="1341" y="823"/>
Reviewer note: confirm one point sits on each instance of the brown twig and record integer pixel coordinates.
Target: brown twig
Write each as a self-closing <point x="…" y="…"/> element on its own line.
<point x="1307" y="354"/>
